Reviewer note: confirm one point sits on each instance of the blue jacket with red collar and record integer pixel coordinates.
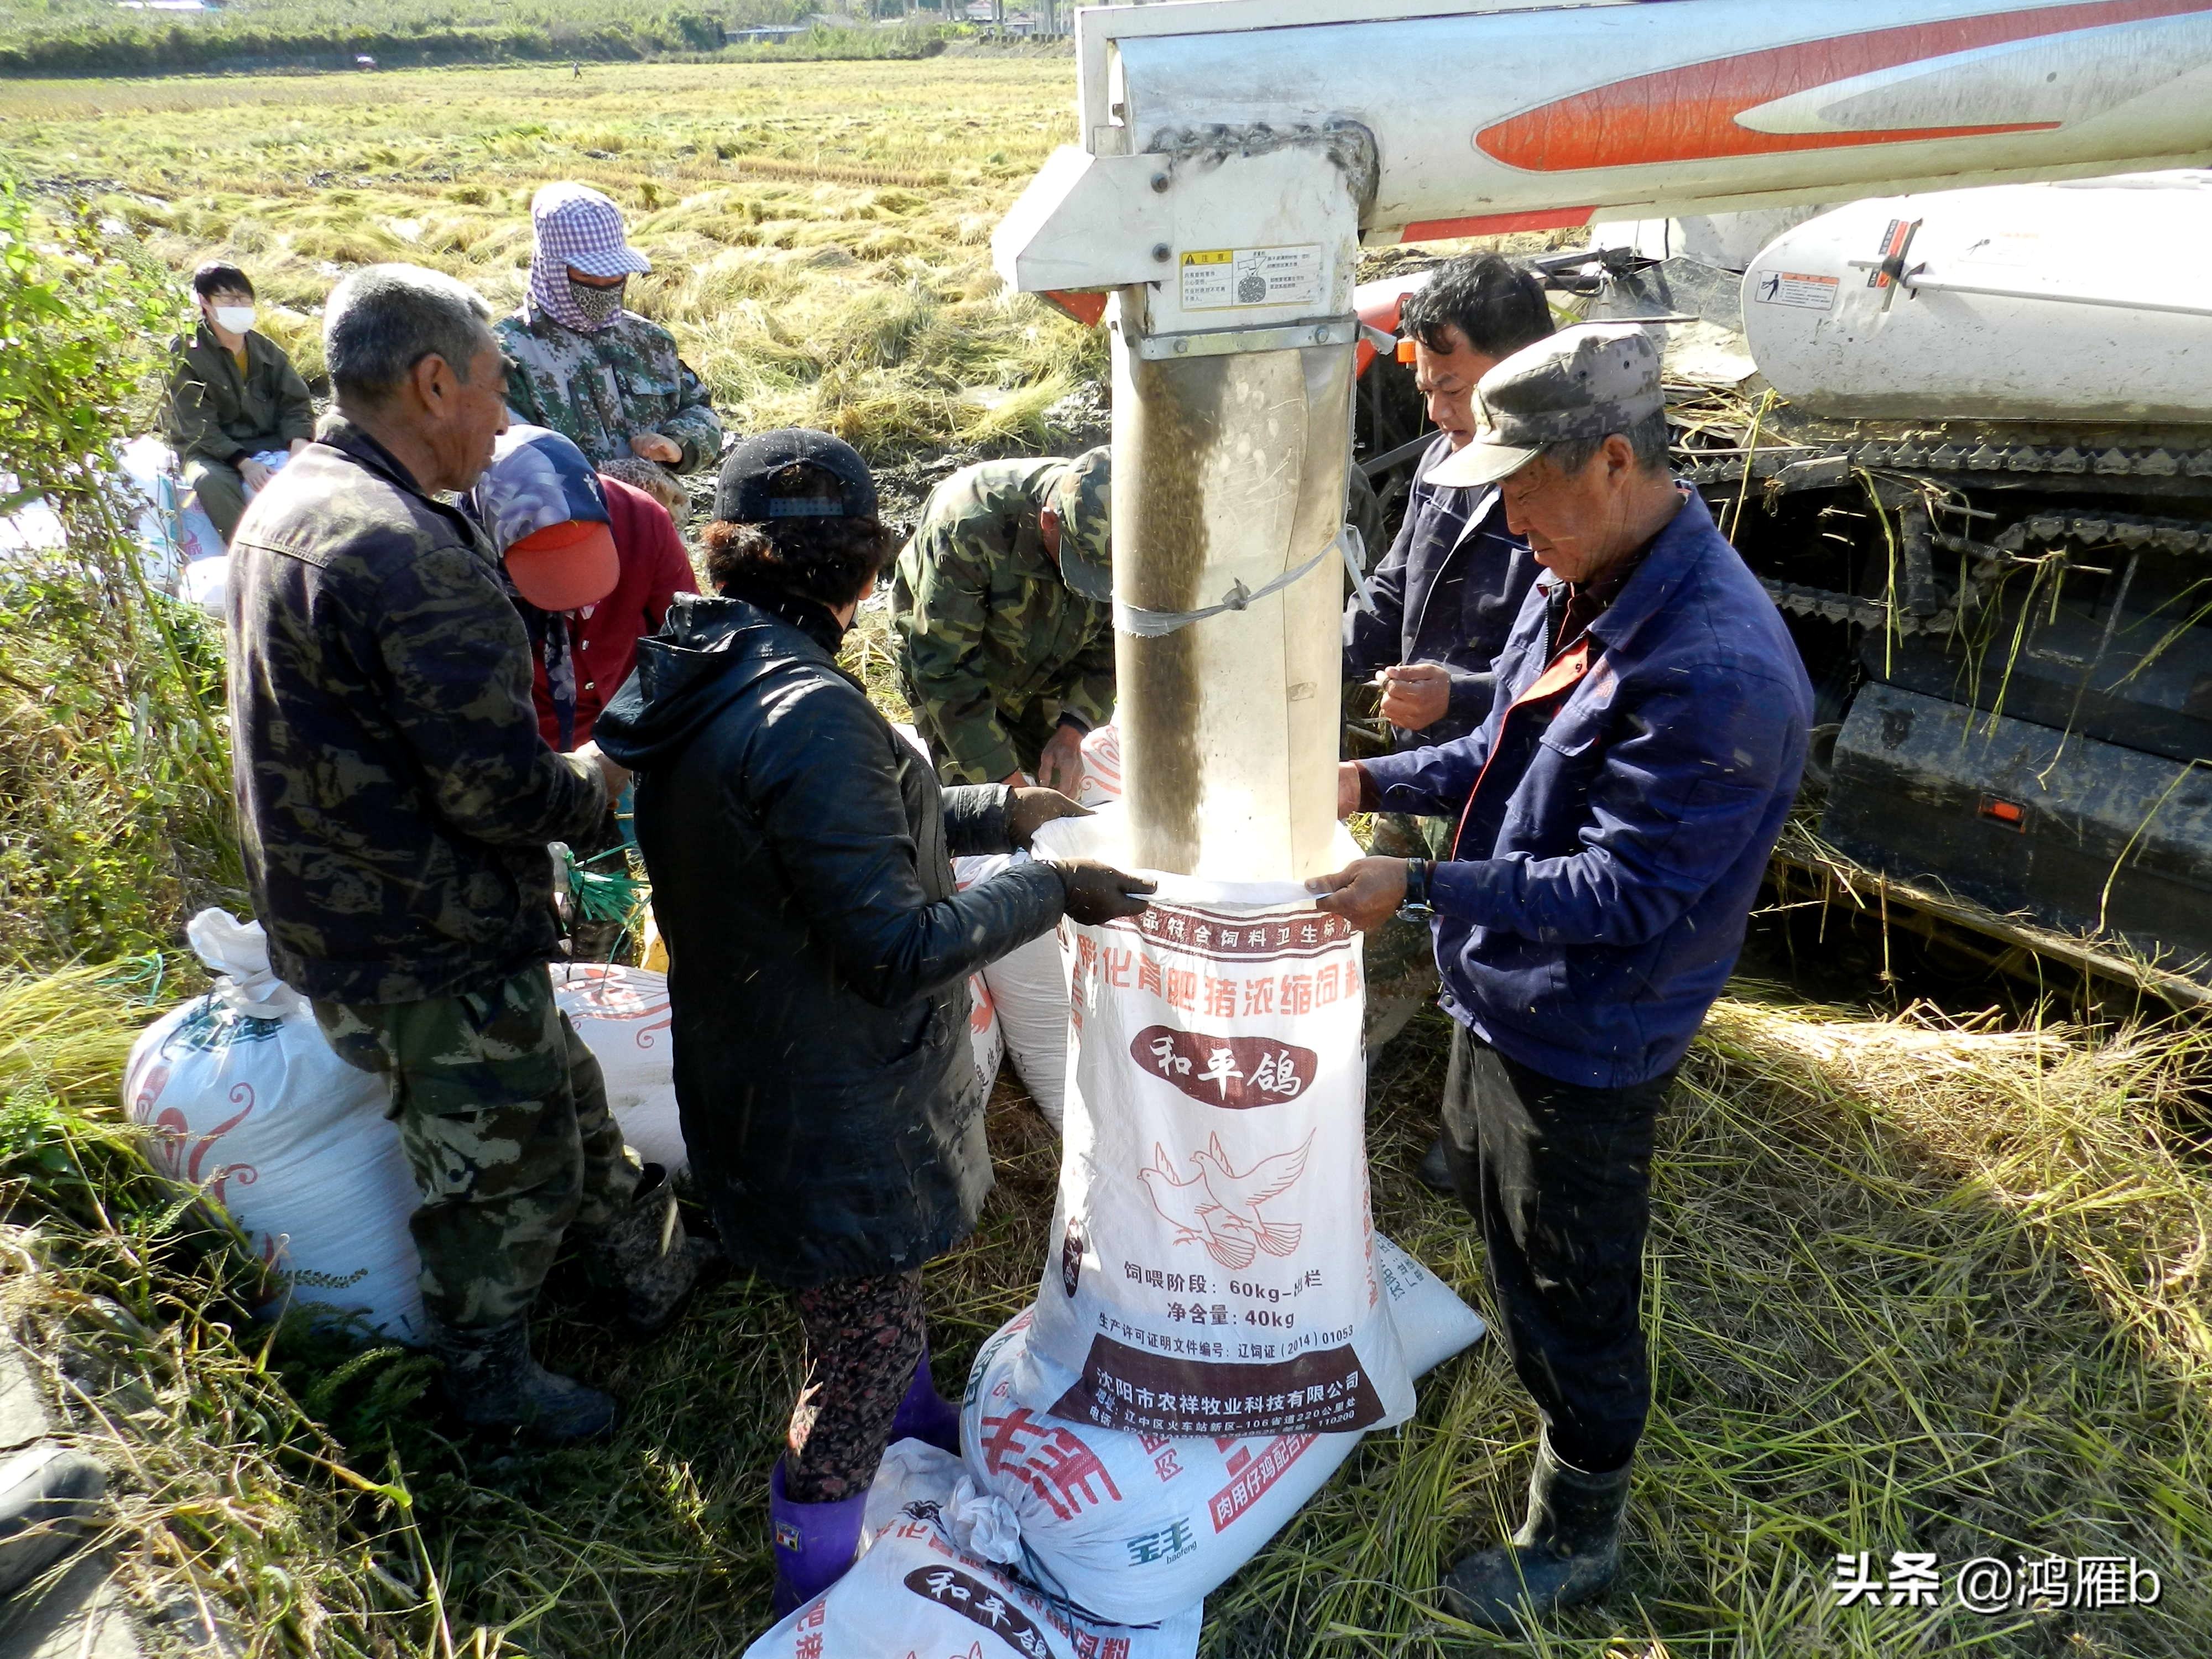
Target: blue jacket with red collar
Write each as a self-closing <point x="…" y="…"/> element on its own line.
<point x="1616" y="811"/>
<point x="1447" y="592"/>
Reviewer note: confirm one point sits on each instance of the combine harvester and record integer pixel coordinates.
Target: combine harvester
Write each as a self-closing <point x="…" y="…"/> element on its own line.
<point x="1979" y="492"/>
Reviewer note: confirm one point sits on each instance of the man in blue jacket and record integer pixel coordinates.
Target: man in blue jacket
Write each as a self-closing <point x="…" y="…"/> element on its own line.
<point x="1447" y="592"/>
<point x="1615" y="812"/>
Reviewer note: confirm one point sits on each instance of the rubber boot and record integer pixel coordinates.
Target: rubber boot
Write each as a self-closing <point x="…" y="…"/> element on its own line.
<point x="1435" y="1171"/>
<point x="491" y="1382"/>
<point x="925" y="1414"/>
<point x="1567" y="1552"/>
<point x="643" y="1262"/>
<point x="47" y="1498"/>
<point x="815" y="1543"/>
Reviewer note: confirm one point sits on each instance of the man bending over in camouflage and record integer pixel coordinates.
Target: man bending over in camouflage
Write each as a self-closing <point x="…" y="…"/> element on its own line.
<point x="396" y="798"/>
<point x="1002" y="609"/>
<point x="604" y="377"/>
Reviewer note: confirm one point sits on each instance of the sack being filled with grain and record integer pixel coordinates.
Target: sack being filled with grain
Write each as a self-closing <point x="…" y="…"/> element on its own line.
<point x="1213" y="1240"/>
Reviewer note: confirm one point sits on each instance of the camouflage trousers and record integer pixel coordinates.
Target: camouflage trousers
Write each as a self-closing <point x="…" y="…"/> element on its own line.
<point x="503" y="1116"/>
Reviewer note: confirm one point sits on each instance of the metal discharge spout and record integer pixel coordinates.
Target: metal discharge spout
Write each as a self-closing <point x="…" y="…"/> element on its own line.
<point x="1228" y="472"/>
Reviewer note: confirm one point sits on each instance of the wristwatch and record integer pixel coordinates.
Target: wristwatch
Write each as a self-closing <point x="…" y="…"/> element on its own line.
<point x="1415" y="906"/>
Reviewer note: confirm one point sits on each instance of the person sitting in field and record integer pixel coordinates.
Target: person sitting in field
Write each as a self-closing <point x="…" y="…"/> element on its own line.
<point x="594" y="564"/>
<point x="234" y="398"/>
<point x="800" y="851"/>
<point x="605" y="378"/>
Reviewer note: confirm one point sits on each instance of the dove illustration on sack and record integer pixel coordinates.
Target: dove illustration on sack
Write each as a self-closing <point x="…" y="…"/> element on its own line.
<point x="1187" y="1207"/>
<point x="1240" y="1195"/>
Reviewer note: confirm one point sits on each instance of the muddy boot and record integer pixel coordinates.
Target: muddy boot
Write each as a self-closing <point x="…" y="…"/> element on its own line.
<point x="925" y="1414"/>
<point x="642" y="1263"/>
<point x="1567" y="1551"/>
<point x="48" y="1496"/>
<point x="815" y="1543"/>
<point x="492" y="1382"/>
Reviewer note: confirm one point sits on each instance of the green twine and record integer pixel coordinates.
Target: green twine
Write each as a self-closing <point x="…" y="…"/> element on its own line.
<point x="606" y="895"/>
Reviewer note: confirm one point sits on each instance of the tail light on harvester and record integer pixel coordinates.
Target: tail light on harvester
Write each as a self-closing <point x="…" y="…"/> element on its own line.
<point x="2005" y="814"/>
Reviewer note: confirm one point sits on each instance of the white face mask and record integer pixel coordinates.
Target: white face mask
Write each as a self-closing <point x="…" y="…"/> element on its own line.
<point x="237" y="318"/>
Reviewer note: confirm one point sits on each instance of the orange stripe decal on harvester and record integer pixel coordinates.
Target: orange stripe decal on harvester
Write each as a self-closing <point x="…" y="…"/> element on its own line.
<point x="1689" y="113"/>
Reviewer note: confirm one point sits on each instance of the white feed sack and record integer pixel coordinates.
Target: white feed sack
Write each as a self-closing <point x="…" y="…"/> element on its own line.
<point x="1213" y="1268"/>
<point x="1028" y="991"/>
<point x="1102" y="767"/>
<point x="1136" y="1526"/>
<point x="925" y="1589"/>
<point x="255" y="1110"/>
<point x="623" y="1016"/>
<point x="987" y="1043"/>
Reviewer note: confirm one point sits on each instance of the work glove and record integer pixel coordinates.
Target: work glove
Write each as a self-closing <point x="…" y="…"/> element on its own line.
<point x="1030" y="810"/>
<point x="1098" y="892"/>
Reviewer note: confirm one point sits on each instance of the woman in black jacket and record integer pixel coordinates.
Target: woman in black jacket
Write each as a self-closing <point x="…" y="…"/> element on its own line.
<point x="800" y="855"/>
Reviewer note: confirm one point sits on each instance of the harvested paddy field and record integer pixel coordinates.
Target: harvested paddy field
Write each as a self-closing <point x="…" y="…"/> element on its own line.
<point x="819" y="232"/>
<point x="1920" y="1283"/>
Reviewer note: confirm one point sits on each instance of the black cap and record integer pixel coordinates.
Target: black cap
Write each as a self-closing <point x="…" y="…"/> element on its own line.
<point x="832" y="481"/>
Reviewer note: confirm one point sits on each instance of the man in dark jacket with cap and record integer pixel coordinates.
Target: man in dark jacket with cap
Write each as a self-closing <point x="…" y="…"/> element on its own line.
<point x="1447" y="592"/>
<point x="801" y="854"/>
<point x="1615" y="812"/>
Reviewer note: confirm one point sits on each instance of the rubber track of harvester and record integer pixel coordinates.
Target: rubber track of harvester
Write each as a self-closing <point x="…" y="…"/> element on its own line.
<point x="1910" y="456"/>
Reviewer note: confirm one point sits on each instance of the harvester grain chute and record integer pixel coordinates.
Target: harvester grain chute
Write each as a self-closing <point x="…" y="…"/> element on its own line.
<point x="1235" y="155"/>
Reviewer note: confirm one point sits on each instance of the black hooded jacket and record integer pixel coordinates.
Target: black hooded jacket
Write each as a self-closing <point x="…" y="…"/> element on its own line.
<point x="800" y="856"/>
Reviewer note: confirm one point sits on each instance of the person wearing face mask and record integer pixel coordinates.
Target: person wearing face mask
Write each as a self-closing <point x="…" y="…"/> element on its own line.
<point x="605" y="378"/>
<point x="234" y="397"/>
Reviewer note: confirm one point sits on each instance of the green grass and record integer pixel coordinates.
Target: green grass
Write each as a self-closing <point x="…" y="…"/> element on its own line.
<point x="78" y="37"/>
<point x="1914" y="1287"/>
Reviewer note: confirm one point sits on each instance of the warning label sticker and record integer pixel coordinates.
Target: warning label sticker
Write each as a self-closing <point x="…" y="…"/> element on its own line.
<point x="1236" y="278"/>
<point x="1790" y="288"/>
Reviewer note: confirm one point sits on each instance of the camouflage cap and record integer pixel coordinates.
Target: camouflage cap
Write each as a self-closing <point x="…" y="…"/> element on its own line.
<point x="1582" y="383"/>
<point x="1083" y="496"/>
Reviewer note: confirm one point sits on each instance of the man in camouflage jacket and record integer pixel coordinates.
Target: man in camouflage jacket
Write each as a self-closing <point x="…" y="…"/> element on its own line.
<point x="395" y="800"/>
<point x="606" y="378"/>
<point x="1003" y="621"/>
